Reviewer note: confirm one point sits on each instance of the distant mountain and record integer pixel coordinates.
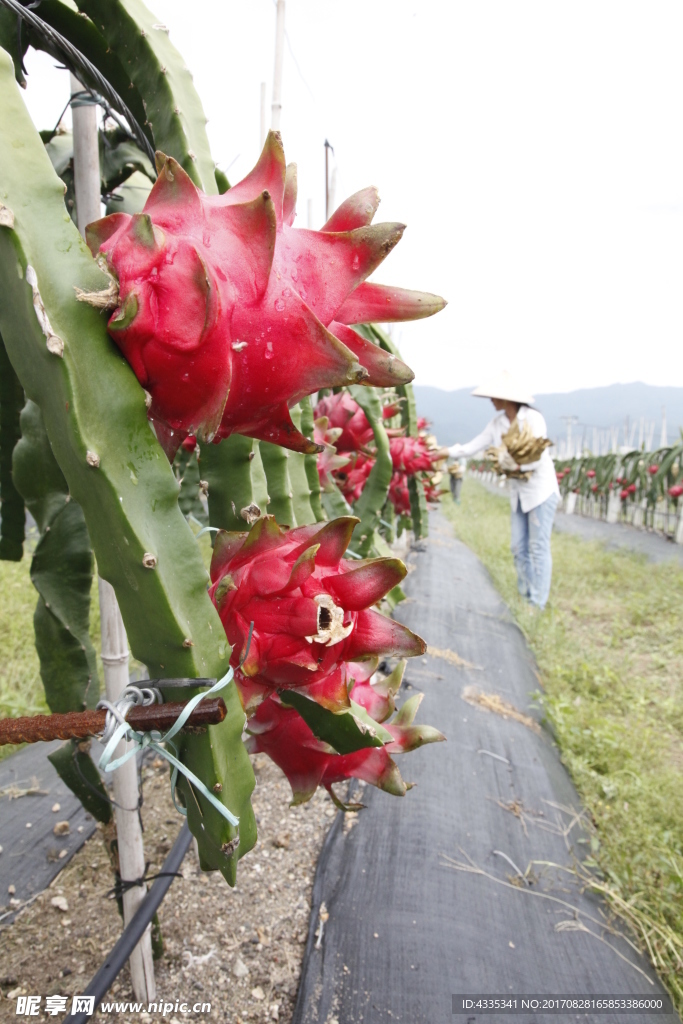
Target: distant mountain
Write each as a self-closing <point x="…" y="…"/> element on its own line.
<point x="457" y="416"/>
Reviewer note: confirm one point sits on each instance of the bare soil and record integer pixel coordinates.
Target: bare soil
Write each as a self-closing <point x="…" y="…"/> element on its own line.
<point x="238" y="949"/>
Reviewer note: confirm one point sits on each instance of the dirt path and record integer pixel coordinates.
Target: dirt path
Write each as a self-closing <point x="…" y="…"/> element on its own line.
<point x="239" y="950"/>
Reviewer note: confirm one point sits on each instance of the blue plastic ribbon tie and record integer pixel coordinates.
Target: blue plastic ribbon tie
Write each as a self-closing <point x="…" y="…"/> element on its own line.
<point x="154" y="739"/>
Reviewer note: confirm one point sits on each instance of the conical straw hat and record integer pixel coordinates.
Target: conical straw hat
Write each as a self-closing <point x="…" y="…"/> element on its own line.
<point x="505" y="387"/>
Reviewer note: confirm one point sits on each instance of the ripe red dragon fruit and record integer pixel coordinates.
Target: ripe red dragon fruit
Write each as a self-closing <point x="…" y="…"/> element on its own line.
<point x="329" y="462"/>
<point x="676" y="491"/>
<point x="345" y="415"/>
<point x="307" y="762"/>
<point x="399" y="495"/>
<point x="410" y="455"/>
<point x="432" y="489"/>
<point x="377" y="697"/>
<point x="228" y="315"/>
<point x="311" y="609"/>
<point x="652" y="470"/>
<point x="352" y="478"/>
<point x="392" y="409"/>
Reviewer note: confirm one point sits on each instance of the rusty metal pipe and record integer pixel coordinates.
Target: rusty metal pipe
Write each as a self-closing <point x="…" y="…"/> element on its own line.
<point x="77" y="725"/>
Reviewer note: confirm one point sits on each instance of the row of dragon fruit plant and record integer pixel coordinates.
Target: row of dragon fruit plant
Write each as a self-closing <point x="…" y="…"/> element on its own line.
<point x="636" y="487"/>
<point x="173" y="358"/>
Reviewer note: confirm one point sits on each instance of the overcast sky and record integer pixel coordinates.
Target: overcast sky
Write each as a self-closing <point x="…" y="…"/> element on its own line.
<point x="534" y="149"/>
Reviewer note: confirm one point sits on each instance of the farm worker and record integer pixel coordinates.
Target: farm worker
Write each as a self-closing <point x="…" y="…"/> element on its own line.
<point x="532" y="501"/>
<point x="456" y="472"/>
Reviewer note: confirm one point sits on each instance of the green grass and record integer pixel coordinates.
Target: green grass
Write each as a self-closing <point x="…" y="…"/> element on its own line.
<point x="609" y="648"/>
<point x="21" y="691"/>
<point x="21" y="688"/>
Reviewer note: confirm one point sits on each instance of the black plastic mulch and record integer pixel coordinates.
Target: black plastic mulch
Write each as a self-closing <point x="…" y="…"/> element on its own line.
<point x="407" y="928"/>
<point x="32" y="855"/>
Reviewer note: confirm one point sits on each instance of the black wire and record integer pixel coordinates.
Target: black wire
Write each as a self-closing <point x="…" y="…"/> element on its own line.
<point x="78" y="62"/>
<point x="122" y="886"/>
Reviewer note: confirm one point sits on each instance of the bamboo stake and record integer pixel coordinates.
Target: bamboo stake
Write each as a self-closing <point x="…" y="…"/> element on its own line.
<point x="113" y="632"/>
<point x="276" y="108"/>
<point x="262" y="133"/>
<point x="125" y="784"/>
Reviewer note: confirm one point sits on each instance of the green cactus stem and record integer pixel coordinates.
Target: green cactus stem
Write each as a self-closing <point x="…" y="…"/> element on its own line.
<point x="12" y="524"/>
<point x="95" y="416"/>
<point x="419" y="513"/>
<point x="301" y="491"/>
<point x="418" y="504"/>
<point x="236" y="481"/>
<point x="74" y="765"/>
<point x="276" y="465"/>
<point x="371" y="502"/>
<point x="186" y="469"/>
<point x="334" y="503"/>
<point x="311" y="461"/>
<point x="9" y="41"/>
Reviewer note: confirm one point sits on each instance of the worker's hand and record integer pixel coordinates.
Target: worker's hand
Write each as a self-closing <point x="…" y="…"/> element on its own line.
<point x="440" y="453"/>
<point x="506" y="464"/>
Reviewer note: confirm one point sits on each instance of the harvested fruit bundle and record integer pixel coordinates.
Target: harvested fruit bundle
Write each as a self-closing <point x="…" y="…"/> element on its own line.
<point x="522" y="445"/>
<point x="229" y="316"/>
<point x="519" y="445"/>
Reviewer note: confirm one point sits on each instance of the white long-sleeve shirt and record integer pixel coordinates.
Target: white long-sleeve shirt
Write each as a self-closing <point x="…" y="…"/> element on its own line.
<point x="543" y="481"/>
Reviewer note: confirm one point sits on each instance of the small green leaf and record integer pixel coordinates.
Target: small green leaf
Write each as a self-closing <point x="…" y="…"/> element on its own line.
<point x="346" y="731"/>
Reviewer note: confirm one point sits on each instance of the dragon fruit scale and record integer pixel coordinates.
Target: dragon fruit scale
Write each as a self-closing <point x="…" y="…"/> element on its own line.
<point x="228" y="315"/>
<point x="310" y="608"/>
<point x="307" y="762"/>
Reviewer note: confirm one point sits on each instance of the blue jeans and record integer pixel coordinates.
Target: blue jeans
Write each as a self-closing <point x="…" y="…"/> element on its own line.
<point x="530" y="545"/>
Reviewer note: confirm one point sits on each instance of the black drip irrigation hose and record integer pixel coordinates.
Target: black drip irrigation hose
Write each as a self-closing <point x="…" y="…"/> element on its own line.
<point x="134" y="930"/>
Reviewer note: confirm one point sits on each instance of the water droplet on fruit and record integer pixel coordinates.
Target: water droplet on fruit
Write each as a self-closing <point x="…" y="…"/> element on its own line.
<point x="279" y="305"/>
<point x="303" y="293"/>
<point x="206" y="239"/>
<point x="286" y="292"/>
<point x="269" y="350"/>
<point x="356" y="262"/>
<point x="295" y="274"/>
